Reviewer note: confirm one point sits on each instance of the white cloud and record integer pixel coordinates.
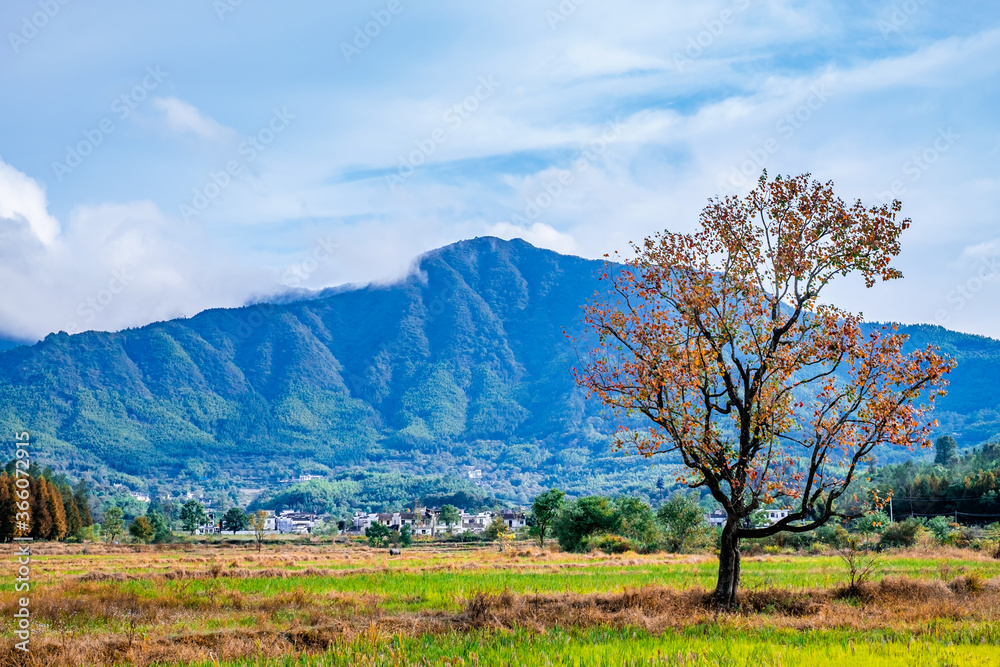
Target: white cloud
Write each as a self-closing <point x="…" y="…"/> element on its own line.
<point x="538" y="234"/>
<point x="23" y="200"/>
<point x="116" y="266"/>
<point x="184" y="117"/>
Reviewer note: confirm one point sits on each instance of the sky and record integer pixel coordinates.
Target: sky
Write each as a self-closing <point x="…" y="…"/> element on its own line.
<point x="160" y="158"/>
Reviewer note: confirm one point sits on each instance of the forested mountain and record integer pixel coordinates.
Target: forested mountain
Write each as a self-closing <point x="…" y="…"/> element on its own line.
<point x="464" y="364"/>
<point x="8" y="344"/>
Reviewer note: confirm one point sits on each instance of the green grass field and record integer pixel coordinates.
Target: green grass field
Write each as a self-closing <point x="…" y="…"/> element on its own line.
<point x="708" y="645"/>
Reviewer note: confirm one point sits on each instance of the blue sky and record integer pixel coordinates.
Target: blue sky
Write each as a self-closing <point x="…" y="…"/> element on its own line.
<point x="160" y="158"/>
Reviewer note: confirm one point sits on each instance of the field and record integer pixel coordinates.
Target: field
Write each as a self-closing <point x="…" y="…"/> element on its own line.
<point x="345" y="604"/>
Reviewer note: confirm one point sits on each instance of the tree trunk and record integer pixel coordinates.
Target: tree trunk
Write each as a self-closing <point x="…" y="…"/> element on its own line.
<point x="729" y="567"/>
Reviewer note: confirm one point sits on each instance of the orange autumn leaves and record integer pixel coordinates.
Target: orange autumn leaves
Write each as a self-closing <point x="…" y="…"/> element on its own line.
<point x="719" y="340"/>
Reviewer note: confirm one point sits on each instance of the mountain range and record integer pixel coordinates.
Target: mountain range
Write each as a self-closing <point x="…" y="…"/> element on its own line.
<point x="464" y="365"/>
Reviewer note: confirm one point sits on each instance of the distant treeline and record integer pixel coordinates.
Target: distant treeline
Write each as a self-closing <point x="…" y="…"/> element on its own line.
<point x="56" y="509"/>
<point x="965" y="487"/>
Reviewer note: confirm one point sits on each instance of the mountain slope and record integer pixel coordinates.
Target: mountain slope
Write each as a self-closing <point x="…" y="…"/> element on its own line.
<point x="464" y="364"/>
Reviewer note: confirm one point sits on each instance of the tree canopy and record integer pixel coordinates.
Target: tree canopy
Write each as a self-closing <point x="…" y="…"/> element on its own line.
<point x="719" y="341"/>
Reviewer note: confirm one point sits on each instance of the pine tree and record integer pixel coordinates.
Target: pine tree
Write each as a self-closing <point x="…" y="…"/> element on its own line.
<point x="946" y="449"/>
<point x="82" y="498"/>
<point x="41" y="517"/>
<point x="8" y="508"/>
<point x="54" y="502"/>
<point x="73" y="522"/>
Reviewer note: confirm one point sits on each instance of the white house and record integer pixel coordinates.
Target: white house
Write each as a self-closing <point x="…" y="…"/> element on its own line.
<point x="513" y="519"/>
<point x="716" y="518"/>
<point x="774" y="516"/>
<point x="296" y="522"/>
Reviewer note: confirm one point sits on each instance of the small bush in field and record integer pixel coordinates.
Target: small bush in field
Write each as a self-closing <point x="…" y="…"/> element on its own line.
<point x="861" y="564"/>
<point x="902" y="534"/>
<point x="941" y="528"/>
<point x="608" y="543"/>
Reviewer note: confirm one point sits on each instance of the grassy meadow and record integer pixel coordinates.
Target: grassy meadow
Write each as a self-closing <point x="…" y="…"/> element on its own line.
<point x="340" y="603"/>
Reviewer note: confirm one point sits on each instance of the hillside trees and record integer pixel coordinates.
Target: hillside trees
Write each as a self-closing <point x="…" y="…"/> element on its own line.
<point x="719" y="342"/>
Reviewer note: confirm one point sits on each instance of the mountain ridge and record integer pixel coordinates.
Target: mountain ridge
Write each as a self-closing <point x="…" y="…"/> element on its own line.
<point x="463" y="364"/>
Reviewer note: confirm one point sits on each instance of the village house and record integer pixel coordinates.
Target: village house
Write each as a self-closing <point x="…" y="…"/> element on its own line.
<point x="296" y="522"/>
<point x="428" y="523"/>
<point x="774" y="516"/>
<point x="514" y="520"/>
<point x="716" y="518"/>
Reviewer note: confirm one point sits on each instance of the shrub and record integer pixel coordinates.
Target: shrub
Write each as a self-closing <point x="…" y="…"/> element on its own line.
<point x="833" y="535"/>
<point x="940" y="528"/>
<point x="608" y="543"/>
<point x="901" y="534"/>
<point x="861" y="564"/>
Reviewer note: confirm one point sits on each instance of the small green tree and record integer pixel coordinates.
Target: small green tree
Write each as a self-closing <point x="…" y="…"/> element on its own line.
<point x="378" y="535"/>
<point x="406" y="535"/>
<point x="680" y="517"/>
<point x="193" y="516"/>
<point x="545" y="508"/>
<point x="498" y="531"/>
<point x="258" y="524"/>
<point x="235" y="519"/>
<point x="113" y="524"/>
<point x="945" y="450"/>
<point x="142" y="530"/>
<point x="161" y="527"/>
<point x="582" y="517"/>
<point x="636" y="521"/>
<point x="450" y="516"/>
